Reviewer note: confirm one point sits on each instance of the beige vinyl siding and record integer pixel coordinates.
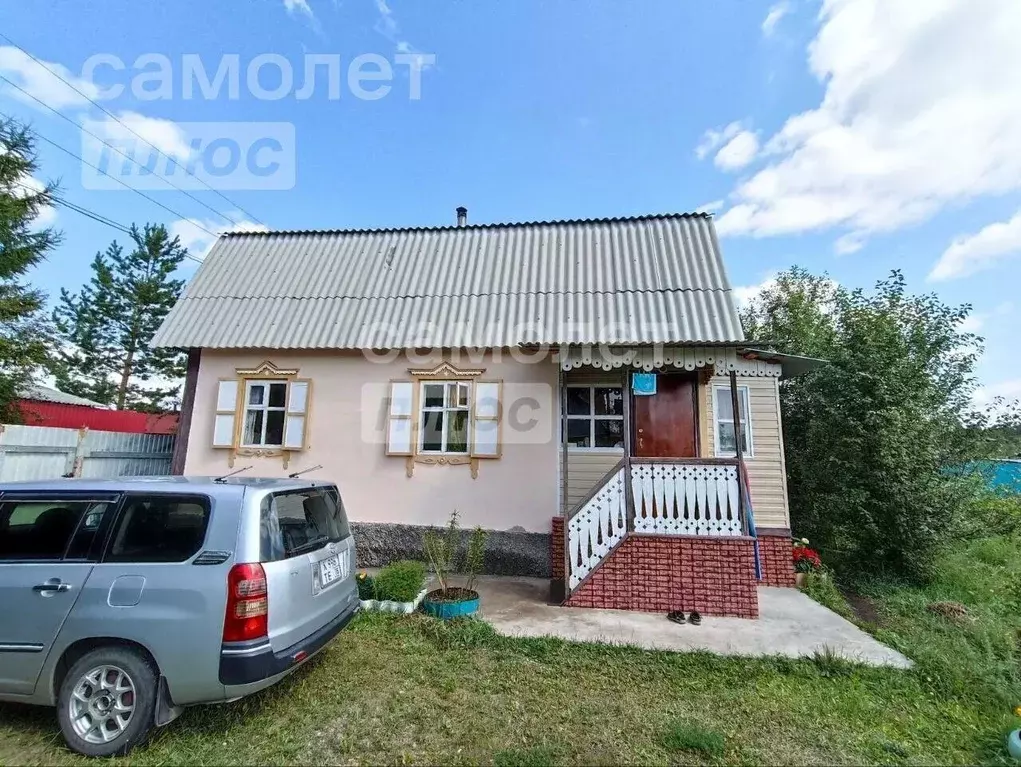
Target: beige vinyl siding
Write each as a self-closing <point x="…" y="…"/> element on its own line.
<point x="766" y="469"/>
<point x="586" y="468"/>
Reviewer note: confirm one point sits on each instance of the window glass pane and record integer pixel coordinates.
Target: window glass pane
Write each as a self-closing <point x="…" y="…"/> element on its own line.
<point x="609" y="401"/>
<point x="432" y="432"/>
<point x="257" y="394"/>
<point x="579" y="401"/>
<point x="742" y="402"/>
<point x="609" y="433"/>
<point x="38" y="530"/>
<point x="275" y="427"/>
<point x="724" y="405"/>
<point x="277" y="394"/>
<point x="88" y="529"/>
<point x="457" y="432"/>
<point x="579" y="432"/>
<point x="339" y="515"/>
<point x="159" y="529"/>
<point x="462" y="394"/>
<point x="253" y="427"/>
<point x="727" y="442"/>
<point x="295" y="523"/>
<point x="432" y="395"/>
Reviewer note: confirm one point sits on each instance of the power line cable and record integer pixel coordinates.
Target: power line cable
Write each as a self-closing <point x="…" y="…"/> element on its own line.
<point x="118" y="151"/>
<point x="91" y="214"/>
<point x="126" y="127"/>
<point x="139" y="192"/>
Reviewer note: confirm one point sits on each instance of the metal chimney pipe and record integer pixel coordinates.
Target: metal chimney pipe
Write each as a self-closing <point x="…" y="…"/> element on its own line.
<point x="462" y="216"/>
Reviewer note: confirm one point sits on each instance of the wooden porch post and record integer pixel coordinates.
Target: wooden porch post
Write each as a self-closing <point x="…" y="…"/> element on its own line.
<point x="629" y="501"/>
<point x="735" y="402"/>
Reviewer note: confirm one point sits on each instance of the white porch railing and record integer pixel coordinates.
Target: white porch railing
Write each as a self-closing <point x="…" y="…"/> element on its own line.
<point x="681" y="498"/>
<point x="598" y="526"/>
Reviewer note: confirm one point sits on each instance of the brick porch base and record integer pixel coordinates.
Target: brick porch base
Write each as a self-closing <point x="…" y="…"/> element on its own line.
<point x="775" y="554"/>
<point x="653" y="573"/>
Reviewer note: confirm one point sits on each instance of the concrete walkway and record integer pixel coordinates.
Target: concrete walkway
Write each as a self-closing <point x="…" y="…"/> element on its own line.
<point x="789" y="624"/>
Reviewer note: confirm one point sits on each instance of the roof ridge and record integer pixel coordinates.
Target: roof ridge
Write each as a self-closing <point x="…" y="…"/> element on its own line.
<point x="454" y="227"/>
<point x="468" y="295"/>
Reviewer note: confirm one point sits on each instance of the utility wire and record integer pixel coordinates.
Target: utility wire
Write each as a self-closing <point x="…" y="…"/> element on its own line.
<point x="91" y="214"/>
<point x="118" y="151"/>
<point x="126" y="127"/>
<point x="139" y="192"/>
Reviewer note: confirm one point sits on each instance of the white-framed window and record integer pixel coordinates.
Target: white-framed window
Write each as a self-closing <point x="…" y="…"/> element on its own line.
<point x="444" y="417"/>
<point x="265" y="413"/>
<point x="595" y="417"/>
<point x="723" y="410"/>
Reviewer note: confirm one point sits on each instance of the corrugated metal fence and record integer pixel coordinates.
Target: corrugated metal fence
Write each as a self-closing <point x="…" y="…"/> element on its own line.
<point x="42" y="452"/>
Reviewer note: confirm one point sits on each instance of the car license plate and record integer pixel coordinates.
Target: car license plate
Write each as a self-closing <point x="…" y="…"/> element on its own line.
<point x="329" y="570"/>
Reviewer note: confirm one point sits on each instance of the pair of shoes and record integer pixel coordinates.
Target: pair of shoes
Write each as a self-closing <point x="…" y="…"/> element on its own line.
<point x="694" y="619"/>
<point x="676" y="616"/>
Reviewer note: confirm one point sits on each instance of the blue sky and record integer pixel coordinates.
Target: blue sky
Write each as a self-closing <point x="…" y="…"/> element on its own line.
<point x="848" y="136"/>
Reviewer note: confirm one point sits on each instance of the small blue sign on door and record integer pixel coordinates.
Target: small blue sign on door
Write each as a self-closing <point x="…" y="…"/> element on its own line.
<point x="643" y="384"/>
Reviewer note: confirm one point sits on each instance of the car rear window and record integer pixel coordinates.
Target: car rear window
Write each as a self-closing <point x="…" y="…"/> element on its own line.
<point x="299" y="521"/>
<point x="154" y="528"/>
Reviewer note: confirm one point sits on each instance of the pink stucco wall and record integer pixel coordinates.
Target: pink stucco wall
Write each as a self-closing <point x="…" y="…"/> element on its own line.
<point x="518" y="490"/>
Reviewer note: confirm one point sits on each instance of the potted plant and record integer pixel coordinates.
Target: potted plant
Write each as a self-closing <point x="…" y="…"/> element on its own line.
<point x="442" y="548"/>
<point x="806" y="561"/>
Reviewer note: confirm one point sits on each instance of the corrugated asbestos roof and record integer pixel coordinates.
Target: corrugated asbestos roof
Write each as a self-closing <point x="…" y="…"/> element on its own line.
<point x="40" y="393"/>
<point x="653" y="279"/>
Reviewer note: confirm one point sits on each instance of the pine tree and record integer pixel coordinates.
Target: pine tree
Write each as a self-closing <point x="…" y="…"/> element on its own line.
<point x="106" y="328"/>
<point x="24" y="330"/>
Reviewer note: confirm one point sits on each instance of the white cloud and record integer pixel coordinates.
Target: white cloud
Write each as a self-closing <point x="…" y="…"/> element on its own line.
<point x="714" y="138"/>
<point x="710" y="207"/>
<point x="738" y="152"/>
<point x="1008" y="390"/>
<point x="165" y="135"/>
<point x="920" y="111"/>
<point x="299" y="7"/>
<point x="850" y="243"/>
<point x="975" y="321"/>
<point x="30" y="184"/>
<point x="42" y="81"/>
<point x="973" y="253"/>
<point x="776" y="13"/>
<point x="387" y="24"/>
<point x="198" y="241"/>
<point x="745" y="294"/>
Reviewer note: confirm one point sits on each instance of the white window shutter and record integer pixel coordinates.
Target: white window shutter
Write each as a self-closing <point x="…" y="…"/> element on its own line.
<point x="399" y="433"/>
<point x="225" y="420"/>
<point x="299" y="396"/>
<point x="487" y="412"/>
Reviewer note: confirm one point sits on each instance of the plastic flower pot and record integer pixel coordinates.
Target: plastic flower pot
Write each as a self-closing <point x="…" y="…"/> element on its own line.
<point x="1014" y="744"/>
<point x="454" y="603"/>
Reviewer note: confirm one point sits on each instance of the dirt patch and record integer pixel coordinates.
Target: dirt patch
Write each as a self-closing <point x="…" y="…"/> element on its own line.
<point x="865" y="609"/>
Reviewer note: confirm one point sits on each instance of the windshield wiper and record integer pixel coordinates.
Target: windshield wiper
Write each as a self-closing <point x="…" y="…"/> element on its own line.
<point x="315" y="543"/>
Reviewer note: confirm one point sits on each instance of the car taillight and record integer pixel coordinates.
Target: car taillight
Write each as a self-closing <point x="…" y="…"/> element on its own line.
<point x="247" y="604"/>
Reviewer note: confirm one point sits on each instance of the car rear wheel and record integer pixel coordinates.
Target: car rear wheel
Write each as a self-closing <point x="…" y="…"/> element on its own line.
<point x="107" y="702"/>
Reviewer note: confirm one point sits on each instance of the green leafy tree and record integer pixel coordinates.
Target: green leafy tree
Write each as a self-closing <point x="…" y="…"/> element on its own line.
<point x="869" y="434"/>
<point x="106" y="328"/>
<point x="24" y="331"/>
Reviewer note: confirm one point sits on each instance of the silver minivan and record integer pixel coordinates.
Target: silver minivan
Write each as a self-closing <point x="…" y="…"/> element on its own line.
<point x="121" y="601"/>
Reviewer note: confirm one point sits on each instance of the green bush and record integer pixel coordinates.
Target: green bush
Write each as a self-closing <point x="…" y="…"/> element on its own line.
<point x="366" y="586"/>
<point x="400" y="581"/>
<point x="822" y="589"/>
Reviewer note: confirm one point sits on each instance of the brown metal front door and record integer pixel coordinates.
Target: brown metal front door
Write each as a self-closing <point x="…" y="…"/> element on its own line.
<point x="665" y="421"/>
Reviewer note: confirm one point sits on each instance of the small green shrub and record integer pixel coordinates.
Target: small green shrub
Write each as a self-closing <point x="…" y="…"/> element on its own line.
<point x="831" y="664"/>
<point x="688" y="737"/>
<point x="400" y="581"/>
<point x="366" y="586"/>
<point x="459" y="633"/>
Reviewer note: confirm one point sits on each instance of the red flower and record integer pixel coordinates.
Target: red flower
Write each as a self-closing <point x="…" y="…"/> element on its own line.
<point x="806" y="560"/>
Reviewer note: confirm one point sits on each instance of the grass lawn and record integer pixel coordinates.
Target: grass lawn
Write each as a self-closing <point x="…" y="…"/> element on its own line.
<point x="412" y="690"/>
